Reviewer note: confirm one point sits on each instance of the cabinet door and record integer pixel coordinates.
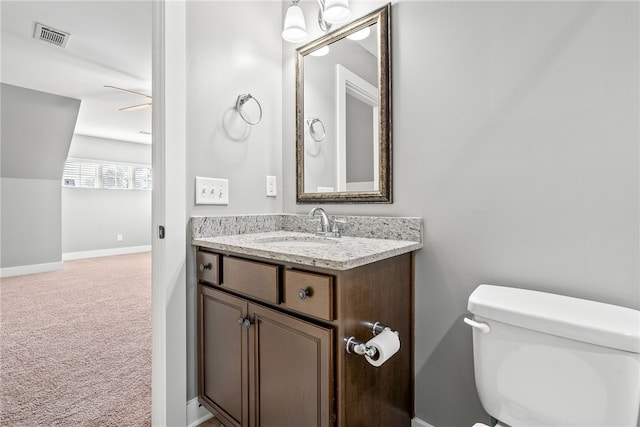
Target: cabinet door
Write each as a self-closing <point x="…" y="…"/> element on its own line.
<point x="222" y="349"/>
<point x="291" y="371"/>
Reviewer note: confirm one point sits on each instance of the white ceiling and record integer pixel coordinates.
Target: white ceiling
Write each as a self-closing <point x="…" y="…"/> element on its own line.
<point x="110" y="44"/>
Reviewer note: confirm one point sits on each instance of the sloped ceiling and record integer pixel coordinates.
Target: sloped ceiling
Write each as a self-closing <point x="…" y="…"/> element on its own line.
<point x="110" y="44"/>
<point x="36" y="132"/>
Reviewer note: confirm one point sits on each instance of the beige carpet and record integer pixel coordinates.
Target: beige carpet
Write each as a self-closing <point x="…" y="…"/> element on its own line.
<point x="75" y="345"/>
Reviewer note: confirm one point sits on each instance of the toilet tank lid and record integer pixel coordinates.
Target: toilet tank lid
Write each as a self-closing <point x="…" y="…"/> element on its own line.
<point x="583" y="320"/>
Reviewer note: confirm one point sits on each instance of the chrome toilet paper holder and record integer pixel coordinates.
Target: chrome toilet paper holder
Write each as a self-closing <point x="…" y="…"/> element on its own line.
<point x="358" y="347"/>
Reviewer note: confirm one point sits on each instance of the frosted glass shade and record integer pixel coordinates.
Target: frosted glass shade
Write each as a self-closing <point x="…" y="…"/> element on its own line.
<point x="360" y="35"/>
<point x="294" y="30"/>
<point x="336" y="11"/>
<point x="320" y="52"/>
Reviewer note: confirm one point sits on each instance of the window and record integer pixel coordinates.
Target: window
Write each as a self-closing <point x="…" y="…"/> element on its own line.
<point x="109" y="176"/>
<point x="142" y="179"/>
<point x="79" y="175"/>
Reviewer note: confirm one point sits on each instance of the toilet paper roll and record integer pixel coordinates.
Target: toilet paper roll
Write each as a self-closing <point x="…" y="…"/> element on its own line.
<point x="386" y="343"/>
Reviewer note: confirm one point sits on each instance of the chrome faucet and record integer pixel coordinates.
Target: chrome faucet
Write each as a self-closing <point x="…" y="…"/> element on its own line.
<point x="324" y="227"/>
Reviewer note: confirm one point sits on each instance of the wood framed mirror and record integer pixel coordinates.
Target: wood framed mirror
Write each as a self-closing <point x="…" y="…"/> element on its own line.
<point x="343" y="114"/>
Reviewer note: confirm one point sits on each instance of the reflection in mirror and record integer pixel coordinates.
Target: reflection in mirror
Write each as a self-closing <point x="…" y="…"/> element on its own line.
<point x="358" y="159"/>
<point x="343" y="78"/>
<point x="316" y="128"/>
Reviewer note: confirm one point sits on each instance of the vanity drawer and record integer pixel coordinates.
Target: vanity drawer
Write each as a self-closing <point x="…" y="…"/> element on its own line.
<point x="252" y="278"/>
<point x="207" y="267"/>
<point x="309" y="293"/>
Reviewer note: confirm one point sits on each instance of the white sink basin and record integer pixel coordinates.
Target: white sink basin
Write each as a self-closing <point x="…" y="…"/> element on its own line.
<point x="296" y="241"/>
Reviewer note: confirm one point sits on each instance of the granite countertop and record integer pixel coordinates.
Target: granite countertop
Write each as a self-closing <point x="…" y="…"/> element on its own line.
<point x="340" y="253"/>
<point x="365" y="239"/>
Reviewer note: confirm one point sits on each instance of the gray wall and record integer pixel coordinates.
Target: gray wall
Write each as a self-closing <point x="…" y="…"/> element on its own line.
<point x="36" y="132"/>
<point x="92" y="218"/>
<point x="232" y="48"/>
<point x="516" y="139"/>
<point x="31" y="222"/>
<point x="35" y="136"/>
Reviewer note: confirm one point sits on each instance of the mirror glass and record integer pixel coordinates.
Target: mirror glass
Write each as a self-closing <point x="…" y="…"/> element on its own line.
<point x="343" y="114"/>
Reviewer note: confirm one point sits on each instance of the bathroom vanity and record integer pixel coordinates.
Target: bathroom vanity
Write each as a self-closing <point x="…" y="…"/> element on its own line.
<point x="276" y="307"/>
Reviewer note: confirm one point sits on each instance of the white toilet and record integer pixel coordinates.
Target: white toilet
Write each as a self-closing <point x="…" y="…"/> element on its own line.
<point x="549" y="360"/>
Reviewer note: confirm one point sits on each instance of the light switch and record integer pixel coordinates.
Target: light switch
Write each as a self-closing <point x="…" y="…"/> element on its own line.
<point x="212" y="191"/>
<point x="272" y="190"/>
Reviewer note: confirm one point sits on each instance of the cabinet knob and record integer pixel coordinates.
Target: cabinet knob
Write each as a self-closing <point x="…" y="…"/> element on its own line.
<point x="204" y="267"/>
<point x="244" y="322"/>
<point x="303" y="293"/>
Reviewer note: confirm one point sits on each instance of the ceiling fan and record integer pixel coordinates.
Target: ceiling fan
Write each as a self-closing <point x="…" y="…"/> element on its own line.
<point x="133" y="107"/>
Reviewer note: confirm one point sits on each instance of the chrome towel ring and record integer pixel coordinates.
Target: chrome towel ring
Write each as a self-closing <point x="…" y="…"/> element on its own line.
<point x="243" y="99"/>
<point x="316" y="128"/>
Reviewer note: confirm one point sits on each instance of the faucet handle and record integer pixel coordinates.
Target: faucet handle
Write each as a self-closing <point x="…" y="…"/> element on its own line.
<point x="334" y="229"/>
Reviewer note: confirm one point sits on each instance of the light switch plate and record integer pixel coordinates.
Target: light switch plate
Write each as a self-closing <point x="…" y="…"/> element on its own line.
<point x="272" y="190"/>
<point x="212" y="191"/>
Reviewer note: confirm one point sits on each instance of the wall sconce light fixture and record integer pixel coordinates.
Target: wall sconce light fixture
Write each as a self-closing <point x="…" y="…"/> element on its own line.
<point x="336" y="11"/>
<point x="294" y="30"/>
<point x="330" y="12"/>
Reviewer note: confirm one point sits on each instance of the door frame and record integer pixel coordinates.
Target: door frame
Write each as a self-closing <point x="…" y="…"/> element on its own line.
<point x="168" y="288"/>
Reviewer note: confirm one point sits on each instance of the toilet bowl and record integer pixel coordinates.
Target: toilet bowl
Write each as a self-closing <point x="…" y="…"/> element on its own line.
<point x="547" y="360"/>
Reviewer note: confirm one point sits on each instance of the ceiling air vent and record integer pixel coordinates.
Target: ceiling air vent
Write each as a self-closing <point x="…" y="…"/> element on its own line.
<point x="51" y="35"/>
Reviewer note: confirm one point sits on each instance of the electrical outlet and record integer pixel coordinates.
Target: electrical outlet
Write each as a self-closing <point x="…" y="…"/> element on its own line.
<point x="272" y="190"/>
<point x="212" y="191"/>
<point x="119" y="237"/>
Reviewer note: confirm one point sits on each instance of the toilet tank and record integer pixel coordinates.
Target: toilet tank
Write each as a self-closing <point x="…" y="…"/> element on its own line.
<point x="552" y="360"/>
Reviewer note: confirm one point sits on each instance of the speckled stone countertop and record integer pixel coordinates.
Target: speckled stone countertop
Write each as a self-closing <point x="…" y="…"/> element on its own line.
<point x="365" y="239"/>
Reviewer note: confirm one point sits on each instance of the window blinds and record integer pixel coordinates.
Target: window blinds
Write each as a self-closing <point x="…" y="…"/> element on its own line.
<point x="108" y="176"/>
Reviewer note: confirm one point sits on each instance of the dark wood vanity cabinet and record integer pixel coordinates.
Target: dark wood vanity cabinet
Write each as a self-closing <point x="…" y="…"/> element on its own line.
<point x="256" y="357"/>
<point x="271" y="343"/>
<point x="223" y="353"/>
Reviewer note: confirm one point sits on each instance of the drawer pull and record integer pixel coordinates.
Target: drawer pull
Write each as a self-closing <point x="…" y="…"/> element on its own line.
<point x="204" y="267"/>
<point x="309" y="293"/>
<point x="303" y="294"/>
<point x="245" y="322"/>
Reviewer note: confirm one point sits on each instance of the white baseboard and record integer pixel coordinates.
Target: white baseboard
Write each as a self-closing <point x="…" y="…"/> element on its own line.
<point x="417" y="422"/>
<point x="21" y="270"/>
<point x="196" y="414"/>
<point x="68" y="256"/>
